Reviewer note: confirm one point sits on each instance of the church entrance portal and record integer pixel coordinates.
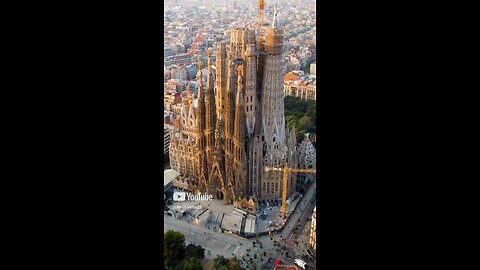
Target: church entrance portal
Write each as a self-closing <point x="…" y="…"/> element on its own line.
<point x="219" y="195"/>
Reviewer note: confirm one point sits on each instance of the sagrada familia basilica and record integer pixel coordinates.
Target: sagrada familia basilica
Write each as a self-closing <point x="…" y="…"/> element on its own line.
<point x="236" y="127"/>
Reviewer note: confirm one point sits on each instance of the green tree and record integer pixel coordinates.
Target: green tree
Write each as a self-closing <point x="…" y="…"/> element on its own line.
<point x="195" y="251"/>
<point x="173" y="247"/>
<point x="190" y="263"/>
<point x="300" y="114"/>
<point x="234" y="264"/>
<point x="221" y="263"/>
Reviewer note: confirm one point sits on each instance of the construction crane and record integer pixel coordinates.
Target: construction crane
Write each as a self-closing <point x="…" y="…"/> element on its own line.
<point x="261" y="11"/>
<point x="286" y="170"/>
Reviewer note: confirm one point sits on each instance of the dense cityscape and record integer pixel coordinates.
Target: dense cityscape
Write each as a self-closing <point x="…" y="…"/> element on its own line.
<point x="239" y="134"/>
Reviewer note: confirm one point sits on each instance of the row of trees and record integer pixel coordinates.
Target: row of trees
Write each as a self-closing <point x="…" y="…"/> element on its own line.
<point x="301" y="115"/>
<point x="177" y="256"/>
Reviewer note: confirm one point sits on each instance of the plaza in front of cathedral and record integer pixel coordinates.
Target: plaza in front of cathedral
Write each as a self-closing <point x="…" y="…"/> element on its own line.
<point x="217" y="216"/>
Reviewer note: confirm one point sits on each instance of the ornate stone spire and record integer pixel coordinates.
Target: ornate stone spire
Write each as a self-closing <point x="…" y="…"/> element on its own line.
<point x="186" y="99"/>
<point x="201" y="102"/>
<point x="239" y="155"/>
<point x="274" y="22"/>
<point x="219" y="130"/>
<point x="210" y="112"/>
<point x="200" y="75"/>
<point x="239" y="125"/>
<point x="221" y="76"/>
<point x="273" y="135"/>
<point x="210" y="102"/>
<point x="202" y="169"/>
<point x="229" y="106"/>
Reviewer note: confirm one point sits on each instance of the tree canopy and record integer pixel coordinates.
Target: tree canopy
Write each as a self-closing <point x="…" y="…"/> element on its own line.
<point x="222" y="263"/>
<point x="195" y="251"/>
<point x="179" y="257"/>
<point x="173" y="247"/>
<point x="190" y="263"/>
<point x="301" y="115"/>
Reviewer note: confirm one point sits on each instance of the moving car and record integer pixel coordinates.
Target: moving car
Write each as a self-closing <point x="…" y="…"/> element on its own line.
<point x="301" y="263"/>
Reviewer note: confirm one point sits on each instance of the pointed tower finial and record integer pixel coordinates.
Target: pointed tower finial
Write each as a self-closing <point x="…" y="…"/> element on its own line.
<point x="274" y="23"/>
<point x="199" y="72"/>
<point x="187" y="94"/>
<point x="209" y="61"/>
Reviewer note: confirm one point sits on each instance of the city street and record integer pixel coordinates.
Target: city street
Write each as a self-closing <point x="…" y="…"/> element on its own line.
<point x="299" y="211"/>
<point x="217" y="243"/>
<point x="300" y="218"/>
<point x="228" y="245"/>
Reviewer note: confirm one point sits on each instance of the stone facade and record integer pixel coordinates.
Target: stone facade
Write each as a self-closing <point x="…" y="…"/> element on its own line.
<point x="224" y="143"/>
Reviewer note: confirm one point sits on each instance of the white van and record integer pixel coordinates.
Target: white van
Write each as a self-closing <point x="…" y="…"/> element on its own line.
<point x="300" y="263"/>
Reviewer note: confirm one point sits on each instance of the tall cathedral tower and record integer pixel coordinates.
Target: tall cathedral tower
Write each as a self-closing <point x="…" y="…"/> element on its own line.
<point x="273" y="117"/>
<point x="210" y="113"/>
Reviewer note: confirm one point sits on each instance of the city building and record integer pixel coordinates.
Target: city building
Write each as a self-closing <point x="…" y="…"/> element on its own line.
<point x="313" y="230"/>
<point x="172" y="86"/>
<point x="298" y="84"/>
<point x="313" y="68"/>
<point x="178" y="72"/>
<point x="183" y="58"/>
<point x="169" y="100"/>
<point x="166" y="140"/>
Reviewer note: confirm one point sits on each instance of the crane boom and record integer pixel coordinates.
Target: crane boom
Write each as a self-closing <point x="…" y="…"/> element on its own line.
<point x="261" y="10"/>
<point x="286" y="170"/>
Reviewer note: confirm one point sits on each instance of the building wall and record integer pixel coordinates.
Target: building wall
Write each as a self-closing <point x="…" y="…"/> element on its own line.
<point x="185" y="59"/>
<point x="313" y="69"/>
<point x="166" y="140"/>
<point x="303" y="91"/>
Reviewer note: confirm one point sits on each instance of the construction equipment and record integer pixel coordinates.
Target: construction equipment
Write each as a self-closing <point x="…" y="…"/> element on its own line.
<point x="286" y="170"/>
<point x="261" y="11"/>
